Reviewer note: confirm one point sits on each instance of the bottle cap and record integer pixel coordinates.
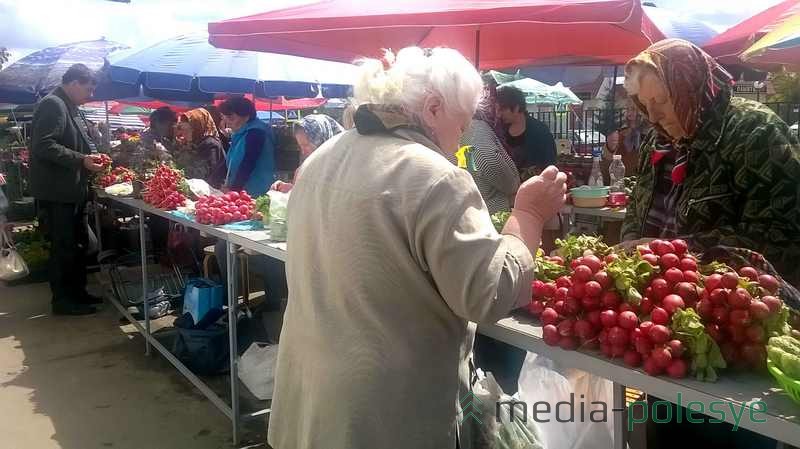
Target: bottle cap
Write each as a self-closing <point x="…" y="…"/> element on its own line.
<point x="617" y="157"/>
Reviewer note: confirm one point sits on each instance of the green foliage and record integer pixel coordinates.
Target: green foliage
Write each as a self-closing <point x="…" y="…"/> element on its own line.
<point x="787" y="87"/>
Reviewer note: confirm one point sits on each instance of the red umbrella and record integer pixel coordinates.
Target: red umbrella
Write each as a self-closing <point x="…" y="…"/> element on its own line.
<point x="727" y="47"/>
<point x="497" y="33"/>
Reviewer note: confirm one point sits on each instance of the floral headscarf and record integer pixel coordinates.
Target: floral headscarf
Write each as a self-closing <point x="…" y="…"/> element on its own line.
<point x="694" y="81"/>
<point x="319" y="128"/>
<point x="202" y="124"/>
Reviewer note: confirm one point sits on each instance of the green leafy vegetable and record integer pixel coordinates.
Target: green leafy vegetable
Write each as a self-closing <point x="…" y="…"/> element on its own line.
<point x="715" y="267"/>
<point x="778" y="324"/>
<point x="575" y="246"/>
<point x="499" y="219"/>
<point x="547" y="271"/>
<point x="704" y="353"/>
<point x="630" y="274"/>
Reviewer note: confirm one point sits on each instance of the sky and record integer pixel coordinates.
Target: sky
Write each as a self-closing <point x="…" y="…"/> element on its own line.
<point x="29" y="25"/>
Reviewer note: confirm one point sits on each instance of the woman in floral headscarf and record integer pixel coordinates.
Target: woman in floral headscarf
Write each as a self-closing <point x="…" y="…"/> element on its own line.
<point x="311" y="132"/>
<point x="716" y="169"/>
<point x="200" y="152"/>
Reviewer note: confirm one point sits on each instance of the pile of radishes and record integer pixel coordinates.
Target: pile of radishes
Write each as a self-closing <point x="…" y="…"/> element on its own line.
<point x="228" y="208"/>
<point x="587" y="308"/>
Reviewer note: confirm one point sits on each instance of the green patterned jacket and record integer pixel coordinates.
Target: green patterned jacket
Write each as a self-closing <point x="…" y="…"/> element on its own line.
<point x="742" y="187"/>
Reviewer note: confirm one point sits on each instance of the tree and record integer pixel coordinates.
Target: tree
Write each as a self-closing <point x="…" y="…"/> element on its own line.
<point x="4" y="56"/>
<point x="787" y="87"/>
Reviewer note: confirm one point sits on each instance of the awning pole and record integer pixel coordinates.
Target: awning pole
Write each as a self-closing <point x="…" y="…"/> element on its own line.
<point x="477" y="49"/>
<point x="107" y="134"/>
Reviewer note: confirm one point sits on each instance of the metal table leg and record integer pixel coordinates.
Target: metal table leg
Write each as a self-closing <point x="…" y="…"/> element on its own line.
<point x="98" y="231"/>
<point x="145" y="300"/>
<point x="233" y="302"/>
<point x="620" y="435"/>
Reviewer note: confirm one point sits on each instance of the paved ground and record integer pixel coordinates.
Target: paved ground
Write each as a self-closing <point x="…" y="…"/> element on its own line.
<point x="85" y="383"/>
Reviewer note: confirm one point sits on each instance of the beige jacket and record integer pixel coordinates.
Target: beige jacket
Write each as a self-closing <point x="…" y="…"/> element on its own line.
<point x="391" y="255"/>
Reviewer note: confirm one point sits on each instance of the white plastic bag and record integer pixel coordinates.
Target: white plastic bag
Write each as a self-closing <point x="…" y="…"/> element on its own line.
<point x="201" y="188"/>
<point x="278" y="210"/>
<point x="12" y="266"/>
<point x="541" y="379"/>
<point x="257" y="369"/>
<point x="121" y="189"/>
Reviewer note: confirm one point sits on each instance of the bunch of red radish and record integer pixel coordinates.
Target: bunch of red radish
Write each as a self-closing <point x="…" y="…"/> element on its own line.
<point x="228" y="208"/>
<point x="163" y="189"/>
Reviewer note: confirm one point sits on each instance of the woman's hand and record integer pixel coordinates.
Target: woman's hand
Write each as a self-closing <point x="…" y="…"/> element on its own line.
<point x="542" y="196"/>
<point x="283" y="187"/>
<point x="630" y="245"/>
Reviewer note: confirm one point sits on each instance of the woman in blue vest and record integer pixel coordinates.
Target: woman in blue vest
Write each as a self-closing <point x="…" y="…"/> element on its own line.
<point x="251" y="157"/>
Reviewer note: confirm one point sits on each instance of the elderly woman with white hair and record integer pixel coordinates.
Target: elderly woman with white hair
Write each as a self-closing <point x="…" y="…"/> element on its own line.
<point x="392" y="259"/>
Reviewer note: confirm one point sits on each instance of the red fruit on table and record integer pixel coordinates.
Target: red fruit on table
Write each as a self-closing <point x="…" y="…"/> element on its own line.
<point x="637" y="334"/>
<point x="749" y="273"/>
<point x="651" y="367"/>
<point x="705" y="308"/>
<point x="646" y="325"/>
<point x="593" y="262"/>
<point x="739" y="317"/>
<point x="659" y="315"/>
<point x="672" y="303"/>
<point x="676" y="348"/>
<point x="632" y="358"/>
<point x="550" y="335"/>
<point x="755" y="334"/>
<point x="594" y="318"/>
<point x="680" y="246"/>
<point x="562" y="293"/>
<point x="673" y="276"/>
<point x="688" y="264"/>
<point x="571" y="306"/>
<point x="736" y="334"/>
<point x="618" y="351"/>
<point x="643" y="346"/>
<point x="730" y="280"/>
<point x="627" y="320"/>
<point x="574" y="264"/>
<point x="773" y="303"/>
<point x="617" y="336"/>
<point x="769" y="282"/>
<point x="713" y="282"/>
<point x="626" y="306"/>
<point x="564" y="282"/>
<point x="754" y="354"/>
<point x="719" y="297"/>
<point x="665" y="248"/>
<point x="610" y="299"/>
<point x="610" y="258"/>
<point x="537" y="289"/>
<point x="559" y="307"/>
<point x="660" y="288"/>
<point x="602" y="336"/>
<point x="590" y="303"/>
<point x="593" y="288"/>
<point x="720" y="315"/>
<point x="687" y="290"/>
<point x="715" y="332"/>
<point x="608" y="318"/>
<point x="568" y="343"/>
<point x="549" y="316"/>
<point x="549" y="290"/>
<point x="578" y="290"/>
<point x="759" y="310"/>
<point x="644" y="250"/>
<point x="739" y="299"/>
<point x="677" y="369"/>
<point x="670" y="260"/>
<point x="583" y="329"/>
<point x="655" y="245"/>
<point x="662" y="356"/>
<point x="606" y="350"/>
<point x="604" y="279"/>
<point x="651" y="258"/>
<point x="536" y="308"/>
<point x="659" y="333"/>
<point x="646" y="306"/>
<point x="582" y="273"/>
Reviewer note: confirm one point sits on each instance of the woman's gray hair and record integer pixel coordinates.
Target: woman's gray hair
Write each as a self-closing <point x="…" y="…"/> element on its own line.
<point x="416" y="73"/>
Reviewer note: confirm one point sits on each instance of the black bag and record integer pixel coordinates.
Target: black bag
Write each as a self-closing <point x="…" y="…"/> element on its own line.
<point x="203" y="351"/>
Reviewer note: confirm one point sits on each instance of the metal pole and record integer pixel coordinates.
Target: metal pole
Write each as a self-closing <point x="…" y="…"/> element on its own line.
<point x="107" y="136"/>
<point x="233" y="302"/>
<point x="98" y="231"/>
<point x="145" y="301"/>
<point x="478" y="49"/>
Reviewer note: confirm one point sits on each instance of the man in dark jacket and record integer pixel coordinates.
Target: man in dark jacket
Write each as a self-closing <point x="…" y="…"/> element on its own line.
<point x="60" y="166"/>
<point x="531" y="145"/>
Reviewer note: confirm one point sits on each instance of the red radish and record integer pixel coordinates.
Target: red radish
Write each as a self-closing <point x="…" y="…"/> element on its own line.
<point x="564" y="282"/>
<point x="582" y="273"/>
<point x="606" y="350"/>
<point x="578" y="290"/>
<point x="714" y="332"/>
<point x="680" y="246"/>
<point x="673" y="276"/>
<point x="651" y="258"/>
<point x="773" y="303"/>
<point x="608" y="318"/>
<point x="537" y="288"/>
<point x="670" y="260"/>
<point x="559" y="307"/>
<point x="730" y="280"/>
<point x="645" y="326"/>
<point x="568" y="343"/>
<point x="593" y="288"/>
<point x="626" y="306"/>
<point x="659" y="333"/>
<point x="594" y="318"/>
<point x="754" y="355"/>
<point x="705" y="308"/>
<point x="583" y="329"/>
<point x="550" y="335"/>
<point x="687" y="291"/>
<point x="549" y="290"/>
<point x="688" y="264"/>
<point x="749" y="272"/>
<point x="672" y="303"/>
<point x="739" y="299"/>
<point x="755" y="334"/>
<point x="643" y="346"/>
<point x="618" y="350"/>
<point x="536" y="308"/>
<point x="628" y="320"/>
<point x="677" y="369"/>
<point x="662" y="356"/>
<point x="590" y="303"/>
<point x="651" y="367"/>
<point x="665" y="248"/>
<point x="646" y="306"/>
<point x="611" y="299"/>
<point x="713" y="282"/>
<point x="604" y="279"/>
<point x="720" y="315"/>
<point x="632" y="358"/>
<point x="591" y="343"/>
<point x="736" y="333"/>
<point x="719" y="297"/>
<point x="549" y="316"/>
<point x="729" y="352"/>
<point x="571" y="306"/>
<point x="602" y="336"/>
<point x="739" y="317"/>
<point x="659" y="315"/>
<point x="644" y="250"/>
<point x="660" y="288"/>
<point x="769" y="282"/>
<point x="637" y="334"/>
<point x="593" y="262"/>
<point x="611" y="258"/>
<point x="676" y="348"/>
<point x="655" y="245"/>
<point x="574" y="264"/>
<point x="562" y="294"/>
<point x="617" y="336"/>
<point x="759" y="310"/>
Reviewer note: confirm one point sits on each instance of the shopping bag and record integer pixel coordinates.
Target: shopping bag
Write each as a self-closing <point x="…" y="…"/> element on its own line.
<point x="257" y="369"/>
<point x="200" y="297"/>
<point x="204" y="351"/>
<point x="278" y="210"/>
<point x="12" y="266"/>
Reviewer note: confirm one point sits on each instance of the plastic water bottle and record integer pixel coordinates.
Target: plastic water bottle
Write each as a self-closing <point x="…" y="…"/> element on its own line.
<point x="616" y="173"/>
<point x="596" y="176"/>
